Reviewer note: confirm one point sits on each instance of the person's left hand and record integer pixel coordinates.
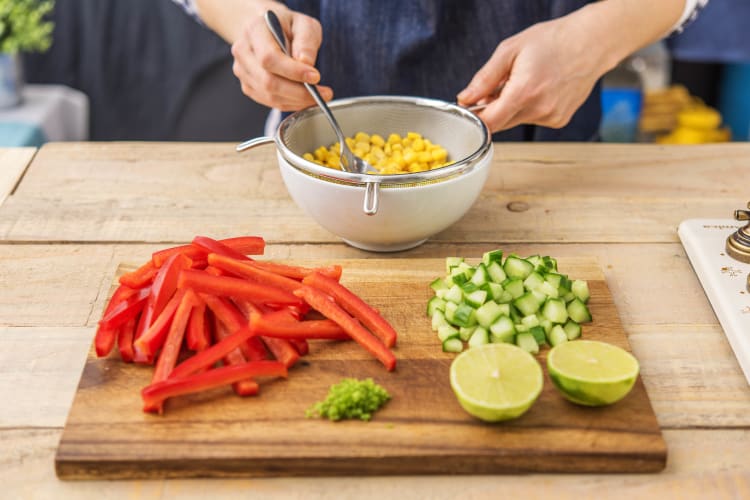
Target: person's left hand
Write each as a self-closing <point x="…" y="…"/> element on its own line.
<point x="548" y="71"/>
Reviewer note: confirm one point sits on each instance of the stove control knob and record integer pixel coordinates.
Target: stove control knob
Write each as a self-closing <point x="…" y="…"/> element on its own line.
<point x="738" y="243"/>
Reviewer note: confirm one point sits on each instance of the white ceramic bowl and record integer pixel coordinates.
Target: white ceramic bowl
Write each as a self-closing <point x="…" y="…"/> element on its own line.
<point x="412" y="207"/>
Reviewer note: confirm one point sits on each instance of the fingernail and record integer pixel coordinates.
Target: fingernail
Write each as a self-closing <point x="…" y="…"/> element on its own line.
<point x="466" y="95"/>
<point x="312" y="77"/>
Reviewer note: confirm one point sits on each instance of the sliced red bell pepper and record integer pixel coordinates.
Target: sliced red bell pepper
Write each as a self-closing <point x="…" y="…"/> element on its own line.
<point x="298" y="272"/>
<point x="248" y="269"/>
<point x="104" y="339"/>
<point x="210" y="245"/>
<point x="147" y="345"/>
<point x="261" y="324"/>
<point x="301" y="346"/>
<point x="250" y="245"/>
<point x="328" y="308"/>
<point x="155" y="394"/>
<point x="282" y="350"/>
<point x="164" y="286"/>
<point x="246" y="387"/>
<point x="218" y="351"/>
<point x="198" y="338"/>
<point x="354" y="306"/>
<point x="125" y="340"/>
<point x="235" y="287"/>
<point x="126" y="309"/>
<point x="141" y="277"/>
<point x="173" y="343"/>
<point x="229" y="315"/>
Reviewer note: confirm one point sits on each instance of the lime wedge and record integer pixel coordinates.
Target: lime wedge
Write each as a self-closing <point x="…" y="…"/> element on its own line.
<point x="495" y="382"/>
<point x="592" y="373"/>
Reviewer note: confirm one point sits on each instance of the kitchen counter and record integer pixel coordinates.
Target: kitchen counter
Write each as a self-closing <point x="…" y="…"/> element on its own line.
<point x="80" y="209"/>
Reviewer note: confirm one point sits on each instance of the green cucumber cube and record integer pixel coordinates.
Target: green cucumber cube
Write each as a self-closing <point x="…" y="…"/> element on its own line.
<point x="527" y="342"/>
<point x="438" y="320"/>
<point x="492" y="256"/>
<point x="435" y="304"/>
<point x="503" y="330"/>
<point x="580" y="289"/>
<point x="465" y="332"/>
<point x="446" y="331"/>
<point x="557" y="335"/>
<point x="527" y="303"/>
<point x="476" y="298"/>
<point x="578" y="311"/>
<point x="453" y="344"/>
<point x="555" y="311"/>
<point x="533" y="281"/>
<point x="480" y="276"/>
<point x="488" y="313"/>
<point x="517" y="268"/>
<point x="496" y="272"/>
<point x="451" y="262"/>
<point x="572" y="329"/>
<point x="479" y="337"/>
<point x="455" y="294"/>
<point x="538" y="333"/>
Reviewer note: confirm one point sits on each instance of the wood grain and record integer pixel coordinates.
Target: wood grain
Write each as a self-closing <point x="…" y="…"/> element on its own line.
<point x="421" y="431"/>
<point x="13" y="163"/>
<point x="535" y="193"/>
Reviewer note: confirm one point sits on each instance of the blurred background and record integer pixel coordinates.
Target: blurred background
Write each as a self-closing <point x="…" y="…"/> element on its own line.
<point x="144" y="70"/>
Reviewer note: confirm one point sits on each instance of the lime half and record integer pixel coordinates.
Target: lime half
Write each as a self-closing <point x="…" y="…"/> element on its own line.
<point x="592" y="373"/>
<point x="495" y="382"/>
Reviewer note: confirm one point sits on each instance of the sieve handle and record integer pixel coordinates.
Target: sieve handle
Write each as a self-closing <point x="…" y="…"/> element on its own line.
<point x="372" y="198"/>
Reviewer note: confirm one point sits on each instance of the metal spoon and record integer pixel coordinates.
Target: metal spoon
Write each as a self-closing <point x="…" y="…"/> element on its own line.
<point x="349" y="161"/>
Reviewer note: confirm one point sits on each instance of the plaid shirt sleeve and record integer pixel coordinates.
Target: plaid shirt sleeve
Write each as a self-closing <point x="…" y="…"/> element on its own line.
<point x="189" y="7"/>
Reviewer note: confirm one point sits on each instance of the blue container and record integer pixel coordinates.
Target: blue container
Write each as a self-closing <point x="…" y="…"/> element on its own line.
<point x="621" y="111"/>
<point x="734" y="100"/>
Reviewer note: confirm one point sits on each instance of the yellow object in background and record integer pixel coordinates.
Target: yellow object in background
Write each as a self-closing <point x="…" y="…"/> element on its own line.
<point x="697" y="124"/>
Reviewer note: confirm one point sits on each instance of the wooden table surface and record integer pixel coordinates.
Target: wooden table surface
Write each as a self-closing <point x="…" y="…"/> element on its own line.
<point x="71" y="213"/>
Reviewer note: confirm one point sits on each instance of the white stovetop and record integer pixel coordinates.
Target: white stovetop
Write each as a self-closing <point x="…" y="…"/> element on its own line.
<point x="723" y="278"/>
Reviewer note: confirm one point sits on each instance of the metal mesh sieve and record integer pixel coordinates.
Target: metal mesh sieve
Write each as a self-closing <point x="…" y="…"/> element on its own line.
<point x="459" y="131"/>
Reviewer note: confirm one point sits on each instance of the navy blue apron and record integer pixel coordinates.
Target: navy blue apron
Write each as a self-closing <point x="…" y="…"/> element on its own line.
<point x="430" y="48"/>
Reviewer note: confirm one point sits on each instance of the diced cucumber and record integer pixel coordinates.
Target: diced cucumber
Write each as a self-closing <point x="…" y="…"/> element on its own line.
<point x="533" y="281"/>
<point x="488" y="313"/>
<point x="555" y="311"/>
<point x="476" y="298"/>
<point x="535" y="260"/>
<point x="446" y="331"/>
<point x="540" y="297"/>
<point x="565" y="282"/>
<point x="439" y="284"/>
<point x="503" y="330"/>
<point x="550" y="263"/>
<point x="527" y="303"/>
<point x="492" y="256"/>
<point x="578" y="311"/>
<point x="546" y="324"/>
<point x="480" y="276"/>
<point x="435" y="304"/>
<point x="517" y="268"/>
<point x="465" y="332"/>
<point x="514" y="287"/>
<point x="557" y="335"/>
<point x="458" y="277"/>
<point x="538" y="333"/>
<point x="451" y="262"/>
<point x="453" y="344"/>
<point x="442" y="293"/>
<point x="494" y="290"/>
<point x="553" y="279"/>
<point x="526" y="342"/>
<point x="463" y="316"/>
<point x="580" y="289"/>
<point x="515" y="314"/>
<point x="572" y="329"/>
<point x="455" y="294"/>
<point x="521" y="328"/>
<point x="505" y="298"/>
<point x="469" y="287"/>
<point x="496" y="272"/>
<point x="465" y="268"/>
<point x="438" y="320"/>
<point x="568" y="296"/>
<point x="530" y="320"/>
<point x="479" y="337"/>
<point x="548" y="289"/>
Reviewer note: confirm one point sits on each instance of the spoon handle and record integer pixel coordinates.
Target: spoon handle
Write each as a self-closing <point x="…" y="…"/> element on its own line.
<point x="274" y="25"/>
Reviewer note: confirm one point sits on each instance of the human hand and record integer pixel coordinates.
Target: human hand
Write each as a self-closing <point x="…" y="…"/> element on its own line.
<point x="269" y="76"/>
<point x="548" y="71"/>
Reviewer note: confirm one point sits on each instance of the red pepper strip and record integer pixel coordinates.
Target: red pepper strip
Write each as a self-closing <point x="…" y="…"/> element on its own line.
<point x="205" y="359"/>
<point x="173" y="343"/>
<point x="164" y="286"/>
<point x="199" y="263"/>
<point x="311" y="329"/>
<point x="252" y="245"/>
<point x="247" y="269"/>
<point x="298" y="272"/>
<point x="235" y="287"/>
<point x="301" y="346"/>
<point x="125" y="310"/>
<point x="105" y="338"/>
<point x="246" y="387"/>
<point x="354" y="306"/>
<point x="155" y="394"/>
<point x="210" y="245"/>
<point x="282" y="350"/>
<point x="141" y="277"/>
<point x="197" y="338"/>
<point x="125" y="340"/>
<point x="233" y="319"/>
<point x="215" y="271"/>
<point x="147" y="345"/>
<point x="328" y="308"/>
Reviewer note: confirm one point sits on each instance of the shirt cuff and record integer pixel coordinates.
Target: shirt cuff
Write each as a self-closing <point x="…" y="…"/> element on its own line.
<point x="689" y="13"/>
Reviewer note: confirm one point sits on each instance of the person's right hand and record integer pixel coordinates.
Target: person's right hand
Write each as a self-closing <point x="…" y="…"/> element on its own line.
<point x="267" y="75"/>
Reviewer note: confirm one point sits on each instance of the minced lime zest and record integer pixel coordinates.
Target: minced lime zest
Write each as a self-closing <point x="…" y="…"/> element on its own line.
<point x="350" y="398"/>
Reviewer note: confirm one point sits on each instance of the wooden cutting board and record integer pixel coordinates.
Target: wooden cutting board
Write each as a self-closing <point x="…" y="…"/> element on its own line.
<point x="422" y="430"/>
